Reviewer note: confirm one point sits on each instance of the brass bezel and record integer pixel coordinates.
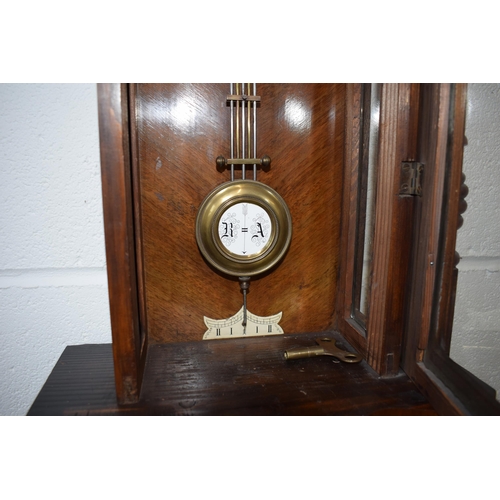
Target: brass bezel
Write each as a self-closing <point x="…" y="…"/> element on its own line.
<point x="222" y="198"/>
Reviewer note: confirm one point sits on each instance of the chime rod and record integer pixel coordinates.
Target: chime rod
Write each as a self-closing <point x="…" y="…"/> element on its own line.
<point x="232" y="131"/>
<point x="249" y="123"/>
<point x="254" y="106"/>
<point x="237" y="124"/>
<point x="243" y="130"/>
<point x="249" y="127"/>
<point x="243" y="106"/>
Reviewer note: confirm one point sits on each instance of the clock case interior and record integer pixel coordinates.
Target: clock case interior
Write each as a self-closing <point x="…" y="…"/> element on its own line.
<point x="159" y="144"/>
<point x="180" y="131"/>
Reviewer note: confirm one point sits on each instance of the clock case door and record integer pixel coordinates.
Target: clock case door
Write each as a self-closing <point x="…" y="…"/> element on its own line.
<point x="158" y="149"/>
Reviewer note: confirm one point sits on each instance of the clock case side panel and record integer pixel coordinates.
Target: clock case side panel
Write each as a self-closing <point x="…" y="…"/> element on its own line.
<point x="380" y="338"/>
<point x="129" y="342"/>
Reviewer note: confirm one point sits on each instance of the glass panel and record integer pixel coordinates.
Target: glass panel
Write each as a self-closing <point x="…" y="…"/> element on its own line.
<point x="475" y="343"/>
<point x="366" y="200"/>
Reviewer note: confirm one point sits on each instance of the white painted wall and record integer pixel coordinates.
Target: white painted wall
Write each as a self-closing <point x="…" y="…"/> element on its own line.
<point x="53" y="287"/>
<point x="476" y="330"/>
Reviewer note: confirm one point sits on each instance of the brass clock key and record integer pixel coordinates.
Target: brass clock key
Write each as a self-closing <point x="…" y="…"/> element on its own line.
<point x="325" y="347"/>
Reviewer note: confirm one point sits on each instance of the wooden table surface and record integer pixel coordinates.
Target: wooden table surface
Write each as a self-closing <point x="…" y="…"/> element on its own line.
<point x="228" y="377"/>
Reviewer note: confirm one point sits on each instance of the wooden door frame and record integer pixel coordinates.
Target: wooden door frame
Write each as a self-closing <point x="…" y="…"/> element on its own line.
<point x="451" y="389"/>
<point x="381" y="341"/>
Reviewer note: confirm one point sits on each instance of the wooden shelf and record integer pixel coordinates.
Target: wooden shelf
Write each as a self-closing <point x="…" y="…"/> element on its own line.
<point x="228" y="377"/>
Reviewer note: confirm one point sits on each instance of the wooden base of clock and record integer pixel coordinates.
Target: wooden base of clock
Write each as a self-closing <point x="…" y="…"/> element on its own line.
<point x="228" y="377"/>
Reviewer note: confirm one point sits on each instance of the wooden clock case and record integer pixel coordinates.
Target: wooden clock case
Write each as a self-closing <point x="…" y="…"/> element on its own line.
<point x="159" y="143"/>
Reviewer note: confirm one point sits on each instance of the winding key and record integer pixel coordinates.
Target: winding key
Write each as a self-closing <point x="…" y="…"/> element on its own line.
<point x="325" y="347"/>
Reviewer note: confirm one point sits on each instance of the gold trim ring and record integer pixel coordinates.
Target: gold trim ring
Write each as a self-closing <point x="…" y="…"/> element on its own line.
<point x="221" y="199"/>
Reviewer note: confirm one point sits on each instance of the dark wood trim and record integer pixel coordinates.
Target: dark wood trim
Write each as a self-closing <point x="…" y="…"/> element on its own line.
<point x="120" y="238"/>
<point x="362" y="202"/>
<point x="393" y="229"/>
<point x="136" y="193"/>
<point x="440" y="334"/>
<point x="449" y="387"/>
<point x="350" y="328"/>
<point x="433" y="125"/>
<point x="434" y="107"/>
<point x="433" y="388"/>
<point x="379" y="352"/>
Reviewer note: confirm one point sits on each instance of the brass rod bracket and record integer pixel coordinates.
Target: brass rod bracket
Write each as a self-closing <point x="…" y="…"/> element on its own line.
<point x="222" y="163"/>
<point x="243" y="97"/>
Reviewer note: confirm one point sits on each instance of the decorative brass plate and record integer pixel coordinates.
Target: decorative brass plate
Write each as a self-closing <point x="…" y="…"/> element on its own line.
<point x="224" y="213"/>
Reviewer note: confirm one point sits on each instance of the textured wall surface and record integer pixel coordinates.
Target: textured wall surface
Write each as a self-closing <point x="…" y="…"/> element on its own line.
<point x="476" y="330"/>
<point x="53" y="287"/>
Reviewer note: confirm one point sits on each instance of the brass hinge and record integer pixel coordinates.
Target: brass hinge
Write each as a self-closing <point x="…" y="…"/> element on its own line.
<point x="411" y="175"/>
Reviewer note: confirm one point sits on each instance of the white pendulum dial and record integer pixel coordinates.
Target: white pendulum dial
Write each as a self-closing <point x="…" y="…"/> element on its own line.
<point x="244" y="229"/>
<point x="233" y="327"/>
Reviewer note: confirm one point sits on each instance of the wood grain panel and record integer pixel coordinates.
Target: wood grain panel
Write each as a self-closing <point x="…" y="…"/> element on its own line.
<point x="181" y="129"/>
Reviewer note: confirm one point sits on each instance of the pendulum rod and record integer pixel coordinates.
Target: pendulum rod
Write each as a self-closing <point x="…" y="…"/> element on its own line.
<point x="231" y="89"/>
<point x="243" y="131"/>
<point x="243" y="107"/>
<point x="254" y="107"/>
<point x="249" y="126"/>
<point x="244" y="286"/>
<point x="238" y="123"/>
